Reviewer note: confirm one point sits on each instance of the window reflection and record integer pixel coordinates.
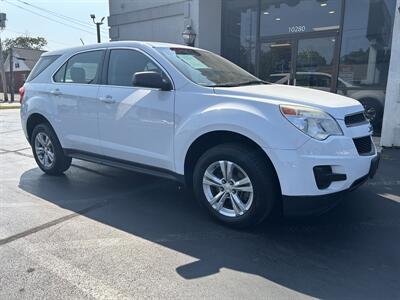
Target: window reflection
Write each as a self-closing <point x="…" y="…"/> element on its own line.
<point x="365" y="53"/>
<point x="276" y="61"/>
<point x="240" y="32"/>
<point x="297" y="42"/>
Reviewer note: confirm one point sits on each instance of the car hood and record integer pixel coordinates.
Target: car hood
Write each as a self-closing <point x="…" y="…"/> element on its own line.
<point x="336" y="105"/>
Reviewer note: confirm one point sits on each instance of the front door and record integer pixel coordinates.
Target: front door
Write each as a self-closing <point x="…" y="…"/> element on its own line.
<point x="136" y="124"/>
<point x="306" y="61"/>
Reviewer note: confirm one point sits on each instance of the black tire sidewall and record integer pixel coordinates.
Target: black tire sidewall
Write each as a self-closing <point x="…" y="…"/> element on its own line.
<point x="261" y="176"/>
<point x="61" y="162"/>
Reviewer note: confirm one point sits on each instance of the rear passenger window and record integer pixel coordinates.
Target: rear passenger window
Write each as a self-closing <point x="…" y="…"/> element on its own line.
<point x="81" y="68"/>
<point x="125" y="63"/>
<point x="41" y="65"/>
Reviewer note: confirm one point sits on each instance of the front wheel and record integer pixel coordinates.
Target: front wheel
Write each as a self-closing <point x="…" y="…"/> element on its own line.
<point x="236" y="184"/>
<point x="47" y="150"/>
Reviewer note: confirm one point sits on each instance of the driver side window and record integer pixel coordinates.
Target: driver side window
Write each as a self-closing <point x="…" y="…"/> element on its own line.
<point x="124" y="63"/>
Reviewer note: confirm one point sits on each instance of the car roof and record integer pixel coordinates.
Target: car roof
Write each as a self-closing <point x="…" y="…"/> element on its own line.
<point x="116" y="44"/>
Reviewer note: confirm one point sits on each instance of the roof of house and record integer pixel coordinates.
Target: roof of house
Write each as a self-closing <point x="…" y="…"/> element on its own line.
<point x="29" y="57"/>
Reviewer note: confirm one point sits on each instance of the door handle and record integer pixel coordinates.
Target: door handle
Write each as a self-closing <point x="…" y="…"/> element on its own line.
<point x="56" y="92"/>
<point x="107" y="99"/>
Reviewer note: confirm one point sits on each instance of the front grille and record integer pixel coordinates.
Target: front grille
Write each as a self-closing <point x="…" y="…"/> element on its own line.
<point x="363" y="145"/>
<point x="355" y="119"/>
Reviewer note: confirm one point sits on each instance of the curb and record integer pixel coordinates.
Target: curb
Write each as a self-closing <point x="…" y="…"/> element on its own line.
<point x="10" y="106"/>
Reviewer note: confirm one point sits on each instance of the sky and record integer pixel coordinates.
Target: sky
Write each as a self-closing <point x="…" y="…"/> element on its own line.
<point x="44" y="18"/>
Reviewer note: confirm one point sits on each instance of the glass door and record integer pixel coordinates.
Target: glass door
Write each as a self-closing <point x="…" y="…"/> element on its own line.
<point x="307" y="60"/>
<point x="315" y="62"/>
<point x="276" y="61"/>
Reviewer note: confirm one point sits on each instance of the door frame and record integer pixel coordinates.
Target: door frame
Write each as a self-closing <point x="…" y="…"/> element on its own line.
<point x="294" y="40"/>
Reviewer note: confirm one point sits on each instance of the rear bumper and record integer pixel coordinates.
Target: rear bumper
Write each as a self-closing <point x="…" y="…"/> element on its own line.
<point x="296" y="206"/>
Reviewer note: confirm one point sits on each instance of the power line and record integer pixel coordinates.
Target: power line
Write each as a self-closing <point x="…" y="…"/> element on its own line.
<point x="48" y="18"/>
<point x="56" y="14"/>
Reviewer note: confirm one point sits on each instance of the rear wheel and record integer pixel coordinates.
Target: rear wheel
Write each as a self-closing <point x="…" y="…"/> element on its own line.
<point x="47" y="150"/>
<point x="236" y="185"/>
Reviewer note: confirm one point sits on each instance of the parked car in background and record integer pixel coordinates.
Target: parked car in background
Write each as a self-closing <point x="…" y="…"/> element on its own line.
<point x="372" y="100"/>
<point x="243" y="145"/>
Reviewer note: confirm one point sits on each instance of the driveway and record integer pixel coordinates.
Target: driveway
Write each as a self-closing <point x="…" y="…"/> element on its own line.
<point x="100" y="232"/>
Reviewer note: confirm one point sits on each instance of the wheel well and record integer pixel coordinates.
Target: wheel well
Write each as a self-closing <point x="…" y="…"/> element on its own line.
<point x="212" y="139"/>
<point x="33" y="121"/>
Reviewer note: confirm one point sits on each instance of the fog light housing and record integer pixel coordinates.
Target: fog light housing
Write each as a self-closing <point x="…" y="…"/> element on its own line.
<point x="324" y="176"/>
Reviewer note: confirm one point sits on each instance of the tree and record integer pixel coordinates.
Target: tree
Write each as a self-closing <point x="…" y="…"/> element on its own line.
<point x="24" y="42"/>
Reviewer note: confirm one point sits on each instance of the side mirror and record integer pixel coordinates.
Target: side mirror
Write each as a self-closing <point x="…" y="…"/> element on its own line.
<point x="151" y="79"/>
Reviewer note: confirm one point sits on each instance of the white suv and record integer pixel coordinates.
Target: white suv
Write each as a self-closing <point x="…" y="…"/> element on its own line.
<point x="243" y="145"/>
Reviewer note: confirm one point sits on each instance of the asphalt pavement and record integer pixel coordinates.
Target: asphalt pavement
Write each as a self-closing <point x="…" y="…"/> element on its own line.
<point x="104" y="233"/>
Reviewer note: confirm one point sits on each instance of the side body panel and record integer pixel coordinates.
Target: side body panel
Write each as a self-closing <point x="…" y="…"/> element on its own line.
<point x="138" y="126"/>
<point x="76" y="116"/>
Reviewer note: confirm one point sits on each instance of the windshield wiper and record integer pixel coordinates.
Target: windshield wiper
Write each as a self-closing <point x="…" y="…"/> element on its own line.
<point x="234" y="84"/>
<point x="252" y="82"/>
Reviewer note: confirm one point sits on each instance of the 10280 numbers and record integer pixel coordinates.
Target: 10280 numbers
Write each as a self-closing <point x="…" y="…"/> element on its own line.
<point x="294" y="29"/>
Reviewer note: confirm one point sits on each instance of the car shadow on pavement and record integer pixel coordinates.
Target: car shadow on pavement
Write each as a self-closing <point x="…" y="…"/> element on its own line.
<point x="350" y="252"/>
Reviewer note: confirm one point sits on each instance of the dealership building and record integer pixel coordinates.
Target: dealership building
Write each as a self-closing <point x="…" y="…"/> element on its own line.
<point x="349" y="47"/>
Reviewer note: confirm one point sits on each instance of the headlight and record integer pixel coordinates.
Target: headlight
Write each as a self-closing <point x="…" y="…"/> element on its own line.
<point x="313" y="122"/>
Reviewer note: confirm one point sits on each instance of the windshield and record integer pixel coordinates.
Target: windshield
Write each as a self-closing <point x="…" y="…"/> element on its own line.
<point x="207" y="69"/>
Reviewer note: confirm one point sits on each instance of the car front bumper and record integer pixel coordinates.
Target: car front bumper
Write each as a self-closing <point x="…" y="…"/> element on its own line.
<point x="295" y="170"/>
<point x="296" y="206"/>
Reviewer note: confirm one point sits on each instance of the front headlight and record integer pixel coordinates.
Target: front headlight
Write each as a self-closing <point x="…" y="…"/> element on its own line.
<point x="313" y="122"/>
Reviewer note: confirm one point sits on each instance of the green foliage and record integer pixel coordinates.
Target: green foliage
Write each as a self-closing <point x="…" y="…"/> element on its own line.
<point x="24" y="42"/>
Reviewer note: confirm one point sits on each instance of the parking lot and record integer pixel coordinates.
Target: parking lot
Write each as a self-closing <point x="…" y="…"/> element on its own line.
<point x="101" y="232"/>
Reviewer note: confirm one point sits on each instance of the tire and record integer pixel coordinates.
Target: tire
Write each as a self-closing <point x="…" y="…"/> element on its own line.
<point x="257" y="198"/>
<point x="43" y="134"/>
<point x="374" y="111"/>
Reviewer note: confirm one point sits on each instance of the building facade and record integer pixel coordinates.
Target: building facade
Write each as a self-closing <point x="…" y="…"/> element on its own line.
<point x="23" y="62"/>
<point x="340" y="46"/>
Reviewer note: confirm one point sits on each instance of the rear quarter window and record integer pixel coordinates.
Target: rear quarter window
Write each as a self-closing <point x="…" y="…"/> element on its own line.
<point x="41" y="65"/>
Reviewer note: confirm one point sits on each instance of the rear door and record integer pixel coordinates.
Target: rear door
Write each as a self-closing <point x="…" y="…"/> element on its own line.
<point x="75" y="93"/>
<point x="136" y="124"/>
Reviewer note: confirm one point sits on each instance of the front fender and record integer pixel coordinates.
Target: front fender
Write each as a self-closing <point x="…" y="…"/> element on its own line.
<point x="265" y="129"/>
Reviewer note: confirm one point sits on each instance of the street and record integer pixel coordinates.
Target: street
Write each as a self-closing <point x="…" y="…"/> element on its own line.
<point x="101" y="232"/>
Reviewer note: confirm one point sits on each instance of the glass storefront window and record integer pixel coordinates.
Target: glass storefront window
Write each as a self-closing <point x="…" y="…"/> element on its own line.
<point x="240" y="32"/>
<point x="276" y="61"/>
<point x="310" y="43"/>
<point x="365" y="53"/>
<point x="280" y="17"/>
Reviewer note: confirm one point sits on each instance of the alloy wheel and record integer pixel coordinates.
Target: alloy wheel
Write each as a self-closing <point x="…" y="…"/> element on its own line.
<point x="44" y="150"/>
<point x="228" y="188"/>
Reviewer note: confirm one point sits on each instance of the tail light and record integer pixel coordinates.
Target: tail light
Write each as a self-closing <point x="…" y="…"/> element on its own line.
<point x="21" y="94"/>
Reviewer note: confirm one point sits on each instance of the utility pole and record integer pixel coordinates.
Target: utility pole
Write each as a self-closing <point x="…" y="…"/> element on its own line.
<point x="12" y="74"/>
<point x="3" y="18"/>
<point x="3" y="74"/>
<point x="97" y="26"/>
